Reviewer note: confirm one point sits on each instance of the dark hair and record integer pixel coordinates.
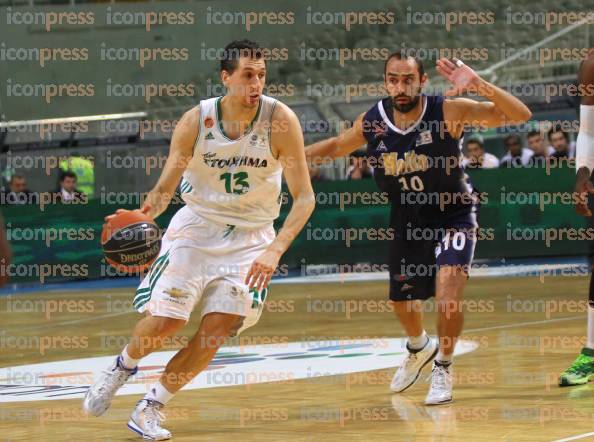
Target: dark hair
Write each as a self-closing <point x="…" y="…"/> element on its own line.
<point x="556" y="129"/>
<point x="403" y="54"/>
<point x="67" y="174"/>
<point x="507" y="139"/>
<point x="237" y="49"/>
<point x="533" y="133"/>
<point x="16" y="176"/>
<point x="475" y="141"/>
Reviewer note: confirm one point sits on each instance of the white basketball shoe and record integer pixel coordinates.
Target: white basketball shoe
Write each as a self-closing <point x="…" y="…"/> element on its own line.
<point x="146" y="420"/>
<point x="410" y="370"/>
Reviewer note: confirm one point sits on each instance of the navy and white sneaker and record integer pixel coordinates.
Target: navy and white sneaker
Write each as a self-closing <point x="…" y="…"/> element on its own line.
<point x="99" y="395"/>
<point x="146" y="420"/>
<point x="408" y="373"/>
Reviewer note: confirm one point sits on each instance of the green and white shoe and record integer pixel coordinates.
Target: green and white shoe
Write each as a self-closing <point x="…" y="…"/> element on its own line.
<point x="581" y="371"/>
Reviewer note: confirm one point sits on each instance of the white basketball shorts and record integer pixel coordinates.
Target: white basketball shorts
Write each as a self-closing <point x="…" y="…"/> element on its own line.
<point x="203" y="262"/>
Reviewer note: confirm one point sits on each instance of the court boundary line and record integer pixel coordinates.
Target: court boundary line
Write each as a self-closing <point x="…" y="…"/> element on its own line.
<point x="579" y="436"/>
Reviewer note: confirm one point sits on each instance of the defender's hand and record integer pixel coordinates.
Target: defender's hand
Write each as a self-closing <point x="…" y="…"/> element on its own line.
<point x="262" y="269"/>
<point x="463" y="78"/>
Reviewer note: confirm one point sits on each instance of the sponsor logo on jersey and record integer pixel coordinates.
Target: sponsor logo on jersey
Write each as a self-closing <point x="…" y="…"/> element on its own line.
<point x="424" y="138"/>
<point x="411" y="163"/>
<point x="209" y="136"/>
<point x="258" y="142"/>
<point x="211" y="160"/>
<point x="382" y="147"/>
<point x="208" y="122"/>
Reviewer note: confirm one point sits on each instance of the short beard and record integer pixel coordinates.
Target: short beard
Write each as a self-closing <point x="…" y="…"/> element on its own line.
<point x="406" y="108"/>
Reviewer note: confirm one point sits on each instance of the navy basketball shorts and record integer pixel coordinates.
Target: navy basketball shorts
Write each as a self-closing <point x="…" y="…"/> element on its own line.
<point x="416" y="255"/>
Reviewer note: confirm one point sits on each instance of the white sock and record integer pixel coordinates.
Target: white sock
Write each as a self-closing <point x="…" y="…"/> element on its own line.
<point x="444" y="359"/>
<point x="127" y="361"/>
<point x="590" y="335"/>
<point x="418" y="342"/>
<point x="159" y="393"/>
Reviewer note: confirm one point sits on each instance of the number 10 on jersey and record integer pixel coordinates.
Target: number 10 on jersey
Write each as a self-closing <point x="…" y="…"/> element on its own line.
<point x="415" y="183"/>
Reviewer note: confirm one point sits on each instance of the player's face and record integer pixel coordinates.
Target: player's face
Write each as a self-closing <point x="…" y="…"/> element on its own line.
<point x="558" y="141"/>
<point x="246" y="83"/>
<point x="536" y="144"/>
<point x="404" y="84"/>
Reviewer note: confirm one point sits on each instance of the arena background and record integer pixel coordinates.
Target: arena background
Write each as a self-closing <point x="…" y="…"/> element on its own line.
<point x="105" y="82"/>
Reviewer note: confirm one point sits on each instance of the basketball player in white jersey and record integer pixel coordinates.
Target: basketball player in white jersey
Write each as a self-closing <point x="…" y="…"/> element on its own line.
<point x="220" y="249"/>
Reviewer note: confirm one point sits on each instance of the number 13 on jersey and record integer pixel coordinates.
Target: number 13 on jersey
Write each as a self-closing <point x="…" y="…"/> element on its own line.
<point x="236" y="183"/>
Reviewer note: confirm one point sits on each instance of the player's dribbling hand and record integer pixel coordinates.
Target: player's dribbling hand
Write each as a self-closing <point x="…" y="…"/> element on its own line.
<point x="463" y="78"/>
<point x="583" y="187"/>
<point x="144" y="209"/>
<point x="262" y="269"/>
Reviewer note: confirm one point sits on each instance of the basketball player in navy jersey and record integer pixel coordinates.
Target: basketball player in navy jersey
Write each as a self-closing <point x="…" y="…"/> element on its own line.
<point x="413" y="141"/>
<point x="581" y="371"/>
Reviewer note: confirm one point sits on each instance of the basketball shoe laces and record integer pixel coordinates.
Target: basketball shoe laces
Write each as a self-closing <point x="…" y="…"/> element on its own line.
<point x="113" y="380"/>
<point x="154" y="416"/>
<point x="411" y="359"/>
<point x="439" y="378"/>
<point x="580" y="365"/>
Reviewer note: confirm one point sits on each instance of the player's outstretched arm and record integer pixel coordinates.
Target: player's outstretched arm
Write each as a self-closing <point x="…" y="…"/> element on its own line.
<point x="180" y="153"/>
<point x="287" y="142"/>
<point x="338" y="146"/>
<point x="502" y="108"/>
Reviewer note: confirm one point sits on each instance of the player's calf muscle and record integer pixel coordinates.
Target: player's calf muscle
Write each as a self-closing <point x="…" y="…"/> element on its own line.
<point x="150" y="334"/>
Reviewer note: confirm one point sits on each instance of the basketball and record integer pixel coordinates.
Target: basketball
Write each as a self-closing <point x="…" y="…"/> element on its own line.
<point x="131" y="241"/>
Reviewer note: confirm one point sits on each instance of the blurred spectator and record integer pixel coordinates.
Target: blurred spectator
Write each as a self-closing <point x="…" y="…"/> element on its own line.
<point x="559" y="139"/>
<point x="517" y="156"/>
<point x="17" y="191"/>
<point x="84" y="169"/>
<point x="67" y="191"/>
<point x="536" y="143"/>
<point x="359" y="168"/>
<point x="477" y="158"/>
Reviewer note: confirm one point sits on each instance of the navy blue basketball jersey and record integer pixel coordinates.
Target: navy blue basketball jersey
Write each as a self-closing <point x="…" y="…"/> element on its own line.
<point x="420" y="167"/>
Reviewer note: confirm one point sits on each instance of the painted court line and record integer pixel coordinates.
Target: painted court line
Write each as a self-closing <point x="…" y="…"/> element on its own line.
<point x="579" y="436"/>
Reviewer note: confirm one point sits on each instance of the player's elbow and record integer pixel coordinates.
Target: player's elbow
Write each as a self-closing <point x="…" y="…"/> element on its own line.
<point x="307" y="200"/>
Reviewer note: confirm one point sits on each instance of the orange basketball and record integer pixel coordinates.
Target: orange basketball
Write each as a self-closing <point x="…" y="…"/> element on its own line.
<point x="131" y="241"/>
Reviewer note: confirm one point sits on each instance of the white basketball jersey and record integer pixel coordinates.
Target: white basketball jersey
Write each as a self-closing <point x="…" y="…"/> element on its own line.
<point x="234" y="182"/>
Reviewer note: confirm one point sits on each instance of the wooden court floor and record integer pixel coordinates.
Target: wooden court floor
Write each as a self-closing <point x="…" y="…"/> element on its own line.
<point x="505" y="390"/>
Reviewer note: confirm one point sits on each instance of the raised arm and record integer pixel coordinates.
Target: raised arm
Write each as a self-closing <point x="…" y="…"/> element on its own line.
<point x="338" y="146"/>
<point x="287" y="143"/>
<point x="502" y="108"/>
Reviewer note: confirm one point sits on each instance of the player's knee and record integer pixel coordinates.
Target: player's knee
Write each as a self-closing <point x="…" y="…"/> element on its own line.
<point x="168" y="326"/>
<point x="219" y="326"/>
<point x="403" y="308"/>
